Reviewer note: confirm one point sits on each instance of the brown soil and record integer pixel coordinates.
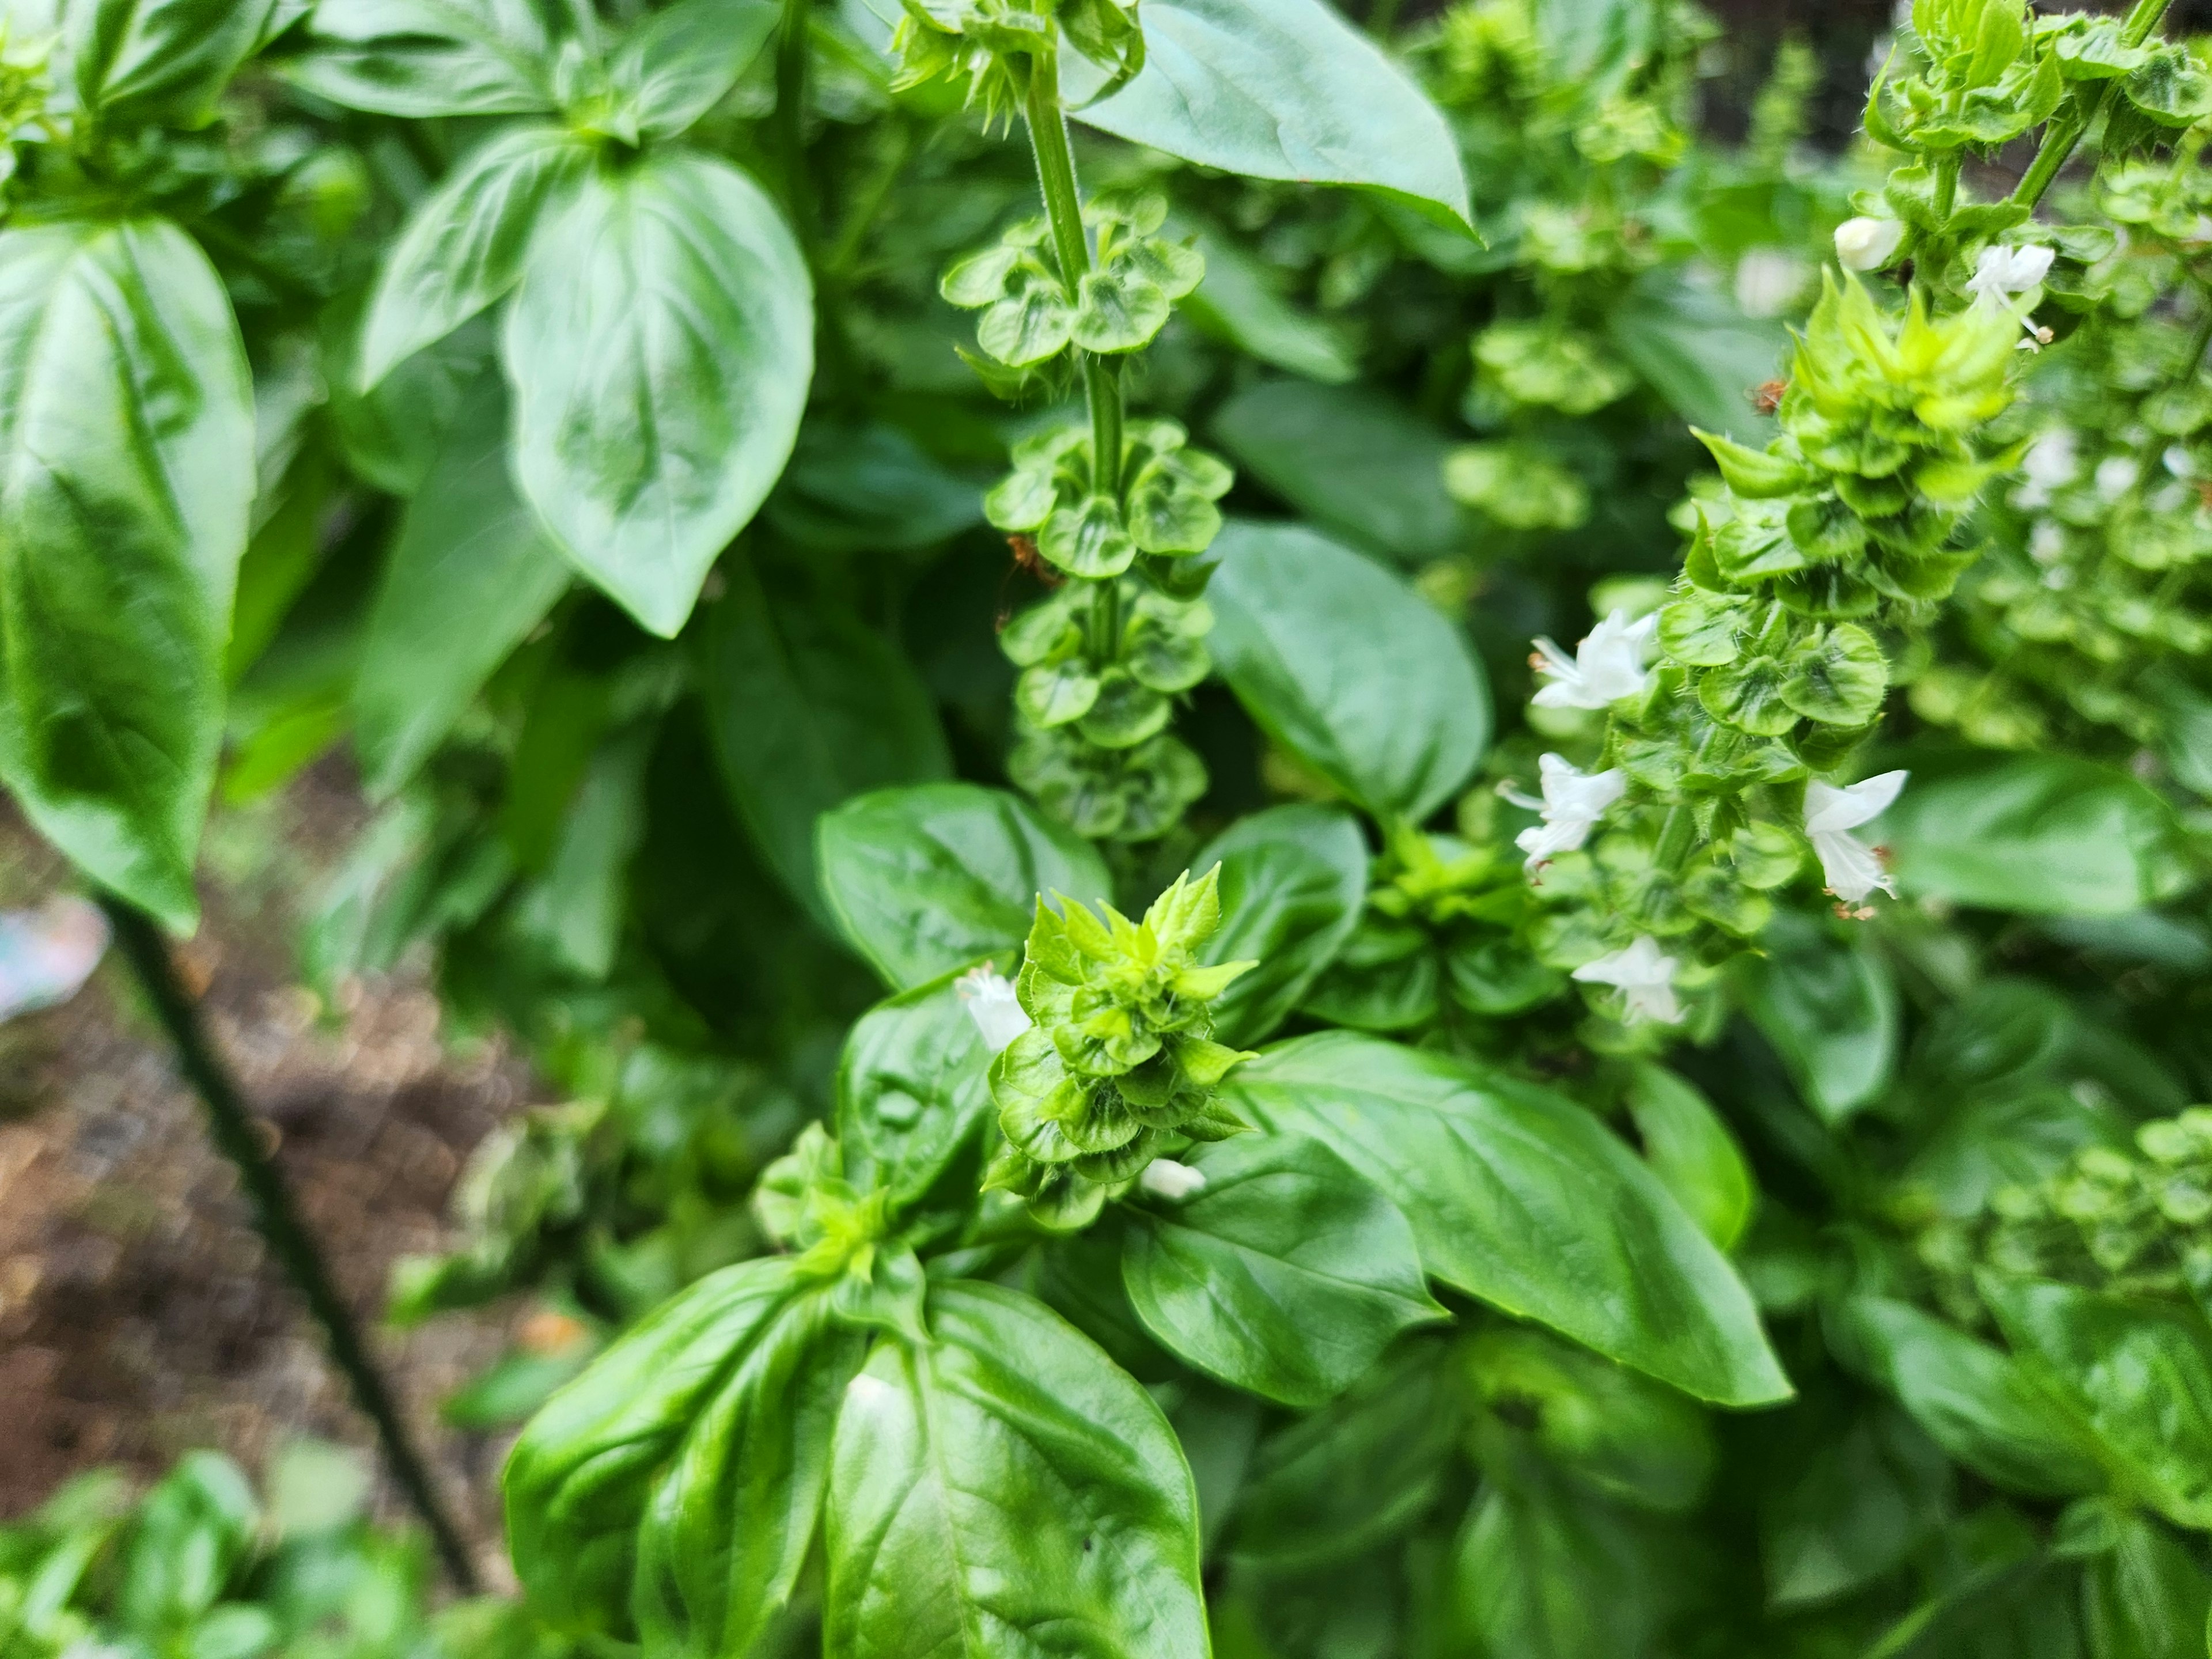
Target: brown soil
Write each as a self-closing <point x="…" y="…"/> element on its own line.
<point x="139" y="1313"/>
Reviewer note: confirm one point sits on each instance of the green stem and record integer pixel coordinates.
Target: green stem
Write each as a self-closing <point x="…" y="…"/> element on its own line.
<point x="868" y="203"/>
<point x="236" y="1133"/>
<point x="1947" y="184"/>
<point x="2060" y="137"/>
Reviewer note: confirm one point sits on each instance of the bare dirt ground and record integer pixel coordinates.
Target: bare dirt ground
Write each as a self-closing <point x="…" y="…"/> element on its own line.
<point x="139" y="1315"/>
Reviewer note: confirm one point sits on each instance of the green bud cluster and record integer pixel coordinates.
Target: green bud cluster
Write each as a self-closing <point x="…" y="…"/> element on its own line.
<point x="1119" y="1066"/>
<point x="1982" y="77"/>
<point x="1032" y="314"/>
<point x="840" y="1236"/>
<point x="985" y="43"/>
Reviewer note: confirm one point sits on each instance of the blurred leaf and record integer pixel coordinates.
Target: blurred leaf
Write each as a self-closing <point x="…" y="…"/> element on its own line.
<point x="1294" y="881"/>
<point x="1698" y="351"/>
<point x="1238" y="302"/>
<point x="1830" y="1010"/>
<point x="1690" y="1150"/>
<point x="429" y="58"/>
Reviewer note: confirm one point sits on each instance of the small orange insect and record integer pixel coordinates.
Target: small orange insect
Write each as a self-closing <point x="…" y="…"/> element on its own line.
<point x="1026" y="557"/>
<point x="1766" y="396"/>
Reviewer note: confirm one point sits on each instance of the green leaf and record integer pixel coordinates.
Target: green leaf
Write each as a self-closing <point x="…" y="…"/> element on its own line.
<point x="574" y="908"/>
<point x="1973" y="1400"/>
<point x="1284" y="89"/>
<point x="1542" y="1572"/>
<point x="159" y="61"/>
<point x="464" y="244"/>
<point x="1690" y="1150"/>
<point x="1287" y="1274"/>
<point x="1293" y="880"/>
<point x="1237" y="302"/>
<point x="1007" y="1489"/>
<point x="678" y="63"/>
<point x="1754" y="473"/>
<point x="471" y="572"/>
<point x="2147" y="1597"/>
<point x="868" y="489"/>
<point x="1829" y="1009"/>
<point x="1348" y="668"/>
<point x="1692" y="346"/>
<point x="928" y="877"/>
<point x="429" y="58"/>
<point x="809" y="707"/>
<point x="1351" y="460"/>
<point x="675" y="1481"/>
<point x="2137" y="1375"/>
<point x="913" y="1094"/>
<point x="1852" y="1509"/>
<point x="2044" y="834"/>
<point x="1524" y="1200"/>
<point x="126" y="477"/>
<point x="660" y="346"/>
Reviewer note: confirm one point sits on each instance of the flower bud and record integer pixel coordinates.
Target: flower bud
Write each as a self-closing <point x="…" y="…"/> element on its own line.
<point x="1866" y="243"/>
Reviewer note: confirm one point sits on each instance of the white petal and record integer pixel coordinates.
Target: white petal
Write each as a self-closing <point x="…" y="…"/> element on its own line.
<point x="1827" y="807"/>
<point x="1850" y="867"/>
<point x="989" y="998"/>
<point x="1165" y="1178"/>
<point x="1866" y="243"/>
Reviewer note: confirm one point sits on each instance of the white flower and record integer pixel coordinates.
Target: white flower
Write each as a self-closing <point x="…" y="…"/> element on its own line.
<point x="1165" y="1178"/>
<point x="1866" y="244"/>
<point x="2116" y="474"/>
<point x="1852" y="868"/>
<point x="1573" y="802"/>
<point x="989" y="996"/>
<point x="1646" y="977"/>
<point x="1607" y="667"/>
<point x="2049" y="464"/>
<point x="2002" y="272"/>
<point x="1768" y="281"/>
<point x="45" y="954"/>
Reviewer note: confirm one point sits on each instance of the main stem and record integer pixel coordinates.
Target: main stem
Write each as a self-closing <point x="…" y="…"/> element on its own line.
<point x="2060" y="137"/>
<point x="233" y="1129"/>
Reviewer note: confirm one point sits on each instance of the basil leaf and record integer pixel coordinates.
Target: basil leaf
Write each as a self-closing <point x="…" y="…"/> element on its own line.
<point x="1237" y="301"/>
<point x="931" y="876"/>
<point x="470" y="575"/>
<point x="1284" y="89"/>
<point x="1851" y="1508"/>
<point x="1294" y="881"/>
<point x="869" y="489"/>
<point x="1355" y="1473"/>
<point x="1542" y="1572"/>
<point x="463" y="245"/>
<point x="1830" y="1010"/>
<point x="660" y="346"/>
<point x="573" y="909"/>
<point x="1521" y="1198"/>
<point x="809" y="707"/>
<point x="429" y="58"/>
<point x="677" y="63"/>
<point x="160" y="61"/>
<point x="1973" y="1400"/>
<point x="1690" y="1148"/>
<point x="1360" y="465"/>
<point x="630" y="1479"/>
<point x="2046" y="835"/>
<point x="118" y="559"/>
<point x="2136" y="1375"/>
<point x="2145" y="1598"/>
<point x="1005" y="1489"/>
<point x="1698" y="351"/>
<point x="1287" y="1274"/>
<point x="1349" y="669"/>
<point x="914" y="1094"/>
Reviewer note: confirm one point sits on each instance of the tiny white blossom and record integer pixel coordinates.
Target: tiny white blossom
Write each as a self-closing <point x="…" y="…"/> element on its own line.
<point x="45" y="954"/>
<point x="2049" y="464"/>
<point x="2002" y="272"/>
<point x="1867" y="243"/>
<point x="1607" y="667"/>
<point x="1574" y="800"/>
<point x="1165" y="1178"/>
<point x="989" y="997"/>
<point x="2116" y="474"/>
<point x="1768" y="281"/>
<point x="1852" y="868"/>
<point x="2046" y="542"/>
<point x="1646" y="977"/>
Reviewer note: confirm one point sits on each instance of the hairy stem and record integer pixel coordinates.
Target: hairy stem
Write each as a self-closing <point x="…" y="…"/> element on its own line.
<point x="235" y="1131"/>
<point x="2060" y="137"/>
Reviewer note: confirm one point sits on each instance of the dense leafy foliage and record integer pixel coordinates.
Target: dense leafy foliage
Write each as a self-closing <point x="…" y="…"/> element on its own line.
<point x="934" y="600"/>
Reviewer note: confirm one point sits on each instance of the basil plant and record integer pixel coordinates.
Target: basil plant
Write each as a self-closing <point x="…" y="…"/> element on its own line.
<point x="1320" y="835"/>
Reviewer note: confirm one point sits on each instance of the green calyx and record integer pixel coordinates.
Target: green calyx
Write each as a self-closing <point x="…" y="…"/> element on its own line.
<point x="1165" y="506"/>
<point x="983" y="43"/>
<point x="841" y="1236"/>
<point x="1032" y="314"/>
<point x="1119" y="1066"/>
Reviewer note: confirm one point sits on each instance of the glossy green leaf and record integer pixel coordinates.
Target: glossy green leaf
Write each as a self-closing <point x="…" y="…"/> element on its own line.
<point x="1542" y="1572"/>
<point x="463" y="245"/>
<point x="429" y="57"/>
<point x="1690" y="1149"/>
<point x="471" y="572"/>
<point x="2047" y="834"/>
<point x="1698" y="351"/>
<point x="159" y="61"/>
<point x="809" y="707"/>
<point x="2147" y="1597"/>
<point x="1830" y="1009"/>
<point x="1973" y="1400"/>
<point x="660" y="346"/>
<point x="928" y="877"/>
<point x="914" y="1094"/>
<point x="1237" y="302"/>
<point x="1287" y="89"/>
<point x="679" y="62"/>
<point x="1294" y="881"/>
<point x="126" y="476"/>
<point x="1286" y="1274"/>
<point x="1851" y="1508"/>
<point x="1524" y="1200"/>
<point x="675" y="1481"/>
<point x="1348" y="668"/>
<point x="1007" y="1491"/>
<point x="1358" y="464"/>
<point x="2136" y="1375"/>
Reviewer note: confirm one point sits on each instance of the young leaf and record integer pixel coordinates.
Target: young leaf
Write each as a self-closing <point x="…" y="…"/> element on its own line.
<point x="678" y="63"/>
<point x="1349" y="669"/>
<point x="913" y="1094"/>
<point x="1285" y="89"/>
<point x="1007" y="1490"/>
<point x="463" y="246"/>
<point x="1294" y="881"/>
<point x="118" y="558"/>
<point x="1287" y="1274"/>
<point x="809" y="707"/>
<point x="471" y="572"/>
<point x="165" y="61"/>
<point x="928" y="877"/>
<point x="429" y="58"/>
<point x="1521" y="1198"/>
<point x="660" y="346"/>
